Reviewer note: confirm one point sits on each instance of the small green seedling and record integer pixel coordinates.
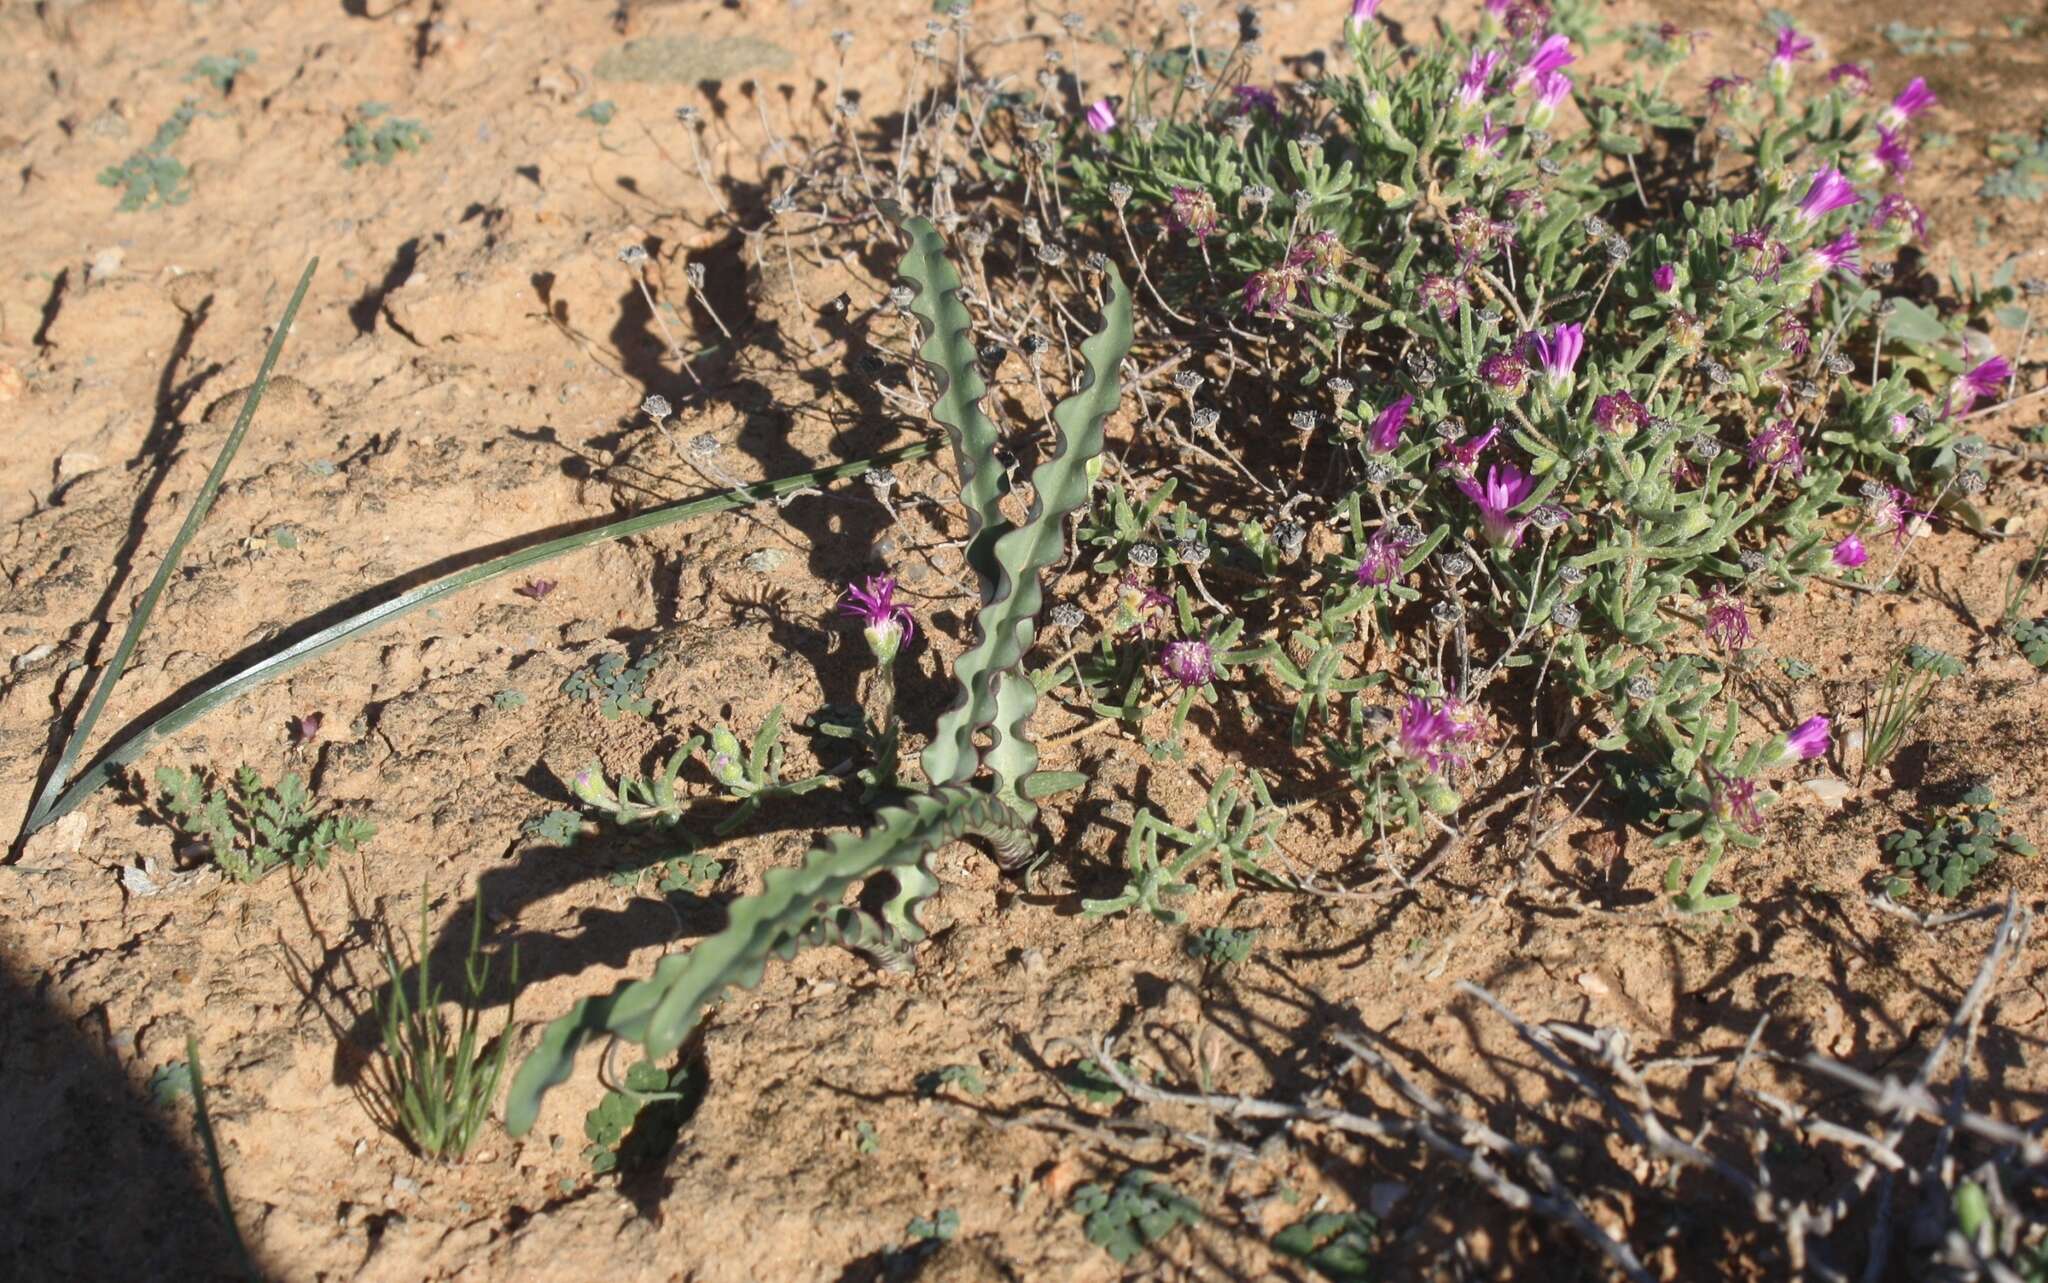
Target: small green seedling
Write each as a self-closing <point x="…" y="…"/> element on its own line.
<point x="1222" y="947"/>
<point x="938" y="1228"/>
<point x="383" y="144"/>
<point x="614" y="685"/>
<point x="1947" y="855"/>
<point x="966" y="1077"/>
<point x="250" y="829"/>
<point x="635" y="1125"/>
<point x="170" y="1082"/>
<point x="2031" y="636"/>
<point x="865" y="1138"/>
<point x="2025" y="157"/>
<point x="1336" y="1245"/>
<point x="153" y="178"/>
<point x="1092" y="1083"/>
<point x="1142" y="1210"/>
<point x="441" y="1078"/>
<point x="220" y="72"/>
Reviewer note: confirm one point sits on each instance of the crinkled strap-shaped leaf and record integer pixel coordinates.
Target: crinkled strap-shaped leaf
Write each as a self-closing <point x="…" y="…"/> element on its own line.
<point x="1009" y="614"/>
<point x="658" y="1012"/>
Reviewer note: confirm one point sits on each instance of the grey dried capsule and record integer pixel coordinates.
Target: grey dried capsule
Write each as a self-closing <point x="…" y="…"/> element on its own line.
<point x="1421" y="367"/>
<point x="1119" y="194"/>
<point x="1838" y="364"/>
<point x="1258" y="194"/>
<point x="1455" y="564"/>
<point x="1408" y="533"/>
<point x="1052" y="254"/>
<point x="704" y="447"/>
<point x="1290" y="535"/>
<point x="881" y="479"/>
<point x="1308" y="141"/>
<point x="1922" y="412"/>
<point x="1447" y="429"/>
<point x="2034" y="287"/>
<point x="1538" y="138"/>
<point x="1446" y="610"/>
<point x="1146" y="127"/>
<point x="1144" y="555"/>
<point x="1097" y="261"/>
<point x="1754" y="560"/>
<point x="1186" y="380"/>
<point x="633" y="256"/>
<point x="1565" y="615"/>
<point x="1805" y="390"/>
<point x="1192" y="552"/>
<point x="1205" y="417"/>
<point x="1342" y="323"/>
<point x="1661" y="427"/>
<point x="1548" y="167"/>
<point x="1488" y="317"/>
<point x="1704" y="448"/>
<point x="1570" y="576"/>
<point x="1067" y="617"/>
<point x="1880" y="270"/>
<point x="1873" y="489"/>
<point x="1616" y="249"/>
<point x="1970" y="482"/>
<point x="1641" y="687"/>
<point x="1377" y="474"/>
<point x="1596" y="227"/>
<point x="1969" y="448"/>
<point x="1073" y="22"/>
<point x="1196" y="83"/>
<point x="1035" y="345"/>
<point x="1549" y="516"/>
<point x="782" y="203"/>
<point x="1302" y="420"/>
<point x="901" y="297"/>
<point x="690" y="115"/>
<point x="1340" y="388"/>
<point x="655" y="407"/>
<point x="1717" y="373"/>
<point x="1302" y="198"/>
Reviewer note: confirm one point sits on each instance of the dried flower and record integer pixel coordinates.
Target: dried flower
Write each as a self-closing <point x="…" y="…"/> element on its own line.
<point x="1192" y="210"/>
<point x="1735" y="799"/>
<point x="1269" y="293"/>
<point x="1445" y="294"/>
<point x="886" y="622"/>
<point x="1851" y="78"/>
<point x="1727" y="620"/>
<point x="1141" y="607"/>
<point x="1480" y="146"/>
<point x="1791" y="47"/>
<point x="1778" y="449"/>
<point x="1619" y="414"/>
<point x="535" y="589"/>
<point x="1891" y="151"/>
<point x="1388" y="547"/>
<point x="1433" y="733"/>
<point x="1506" y="372"/>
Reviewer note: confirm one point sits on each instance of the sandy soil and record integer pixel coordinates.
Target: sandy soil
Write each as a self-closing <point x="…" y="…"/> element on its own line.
<point x="464" y="376"/>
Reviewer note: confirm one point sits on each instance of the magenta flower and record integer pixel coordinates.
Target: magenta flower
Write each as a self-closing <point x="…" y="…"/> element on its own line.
<point x="1792" y="47"/>
<point x="1481" y="146"/>
<point x="1473" y="85"/>
<point x="1554" y="54"/>
<point x="1433" y="733"/>
<point x="1851" y="78"/>
<point x="1620" y="414"/>
<point x="1506" y="372"/>
<point x="1850" y="553"/>
<point x="1808" y="740"/>
<point x="1552" y="88"/>
<point x="1985" y="379"/>
<point x="1828" y="192"/>
<point x="1462" y="458"/>
<point x="1193" y="210"/>
<point x="886" y="621"/>
<point x="1188" y="663"/>
<point x="1102" y="116"/>
<point x="1664" y="278"/>
<point x="1386" y="428"/>
<point x="1363" y="11"/>
<point x="1558" y="352"/>
<point x="1838" y="255"/>
<point x="1727" y="621"/>
<point x="1911" y="101"/>
<point x="1505" y="487"/>
<point x="1778" y="449"/>
<point x="1384" y="553"/>
<point x="1892" y="151"/>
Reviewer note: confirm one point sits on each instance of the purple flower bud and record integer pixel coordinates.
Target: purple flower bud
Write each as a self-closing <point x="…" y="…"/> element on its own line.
<point x="1778" y="449"/>
<point x="1193" y="210"/>
<point x="1850" y="553"/>
<point x="1479" y="147"/>
<point x="1808" y="740"/>
<point x="1507" y="372"/>
<point x="1619" y="414"/>
<point x="1554" y="54"/>
<point x="1791" y="47"/>
<point x="1665" y="278"/>
<point x="1102" y="116"/>
<point x="1892" y="151"/>
<point x="1386" y="428"/>
<point x="1188" y="663"/>
<point x="1268" y="293"/>
<point x="1838" y="255"/>
<point x="1474" y="85"/>
<point x="1463" y="458"/>
<point x="1363" y="11"/>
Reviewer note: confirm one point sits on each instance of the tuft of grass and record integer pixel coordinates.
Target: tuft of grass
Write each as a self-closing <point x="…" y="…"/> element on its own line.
<point x="1900" y="699"/>
<point x="442" y="1075"/>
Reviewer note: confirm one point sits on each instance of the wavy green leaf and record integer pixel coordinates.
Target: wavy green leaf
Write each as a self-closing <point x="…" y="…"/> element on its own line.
<point x="795" y="908"/>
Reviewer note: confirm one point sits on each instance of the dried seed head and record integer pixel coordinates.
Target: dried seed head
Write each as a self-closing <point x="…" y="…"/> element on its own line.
<point x="1642" y="687"/>
<point x="1548" y="167"/>
<point x="1754" y="560"/>
<point x="1340" y="388"/>
<point x="901" y="297"/>
<point x="633" y="255"/>
<point x="1549" y="517"/>
<point x="1290" y="536"/>
<point x="704" y="447"/>
<point x="1187" y="380"/>
<point x="1455" y="564"/>
<point x="690" y="115"/>
<point x="1067" y="617"/>
<point x="880" y="480"/>
<point x="1119" y="194"/>
<point x="1970" y="482"/>
<point x="1205" y="417"/>
<point x="1035" y="345"/>
<point x="1377" y="474"/>
<point x="1838" y="364"/>
<point x="694" y="273"/>
<point x="1616" y="249"/>
<point x="1571" y="576"/>
<point x="1302" y="420"/>
<point x="1146" y="127"/>
<point x="1489" y="317"/>
<point x="656" y="407"/>
<point x="1052" y="254"/>
<point x="1704" y="448"/>
<point x="1565" y="615"/>
<point x="1144" y="555"/>
<point x="1446" y="611"/>
<point x="1596" y="227"/>
<point x="1191" y="551"/>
